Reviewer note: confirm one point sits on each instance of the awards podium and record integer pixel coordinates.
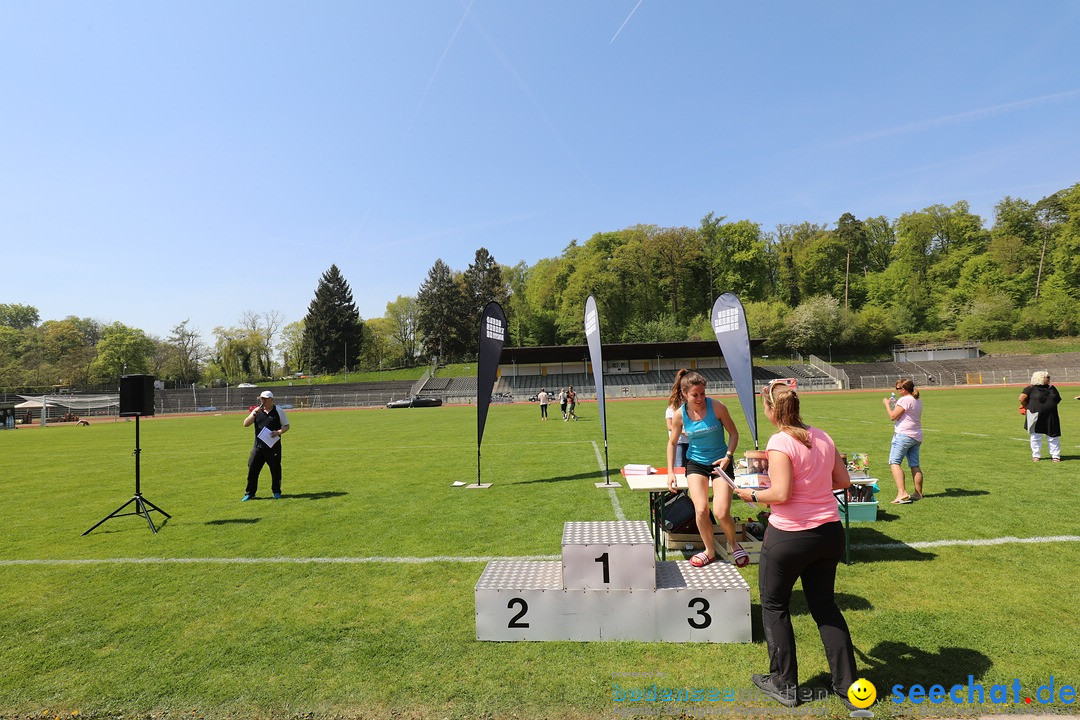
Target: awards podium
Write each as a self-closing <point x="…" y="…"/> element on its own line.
<point x="609" y="586"/>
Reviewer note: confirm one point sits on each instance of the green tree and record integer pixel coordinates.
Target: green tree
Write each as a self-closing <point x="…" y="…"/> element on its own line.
<point x="442" y="315"/>
<point x="122" y="351"/>
<point x="333" y="331"/>
<point x="380" y="348"/>
<point x="402" y="318"/>
<point x="737" y="258"/>
<point x="291" y="347"/>
<point x="186" y="353"/>
<point x="483" y="282"/>
<point x="816" y="325"/>
<point x="767" y="319"/>
<point x="851" y="234"/>
<point x="18" y="316"/>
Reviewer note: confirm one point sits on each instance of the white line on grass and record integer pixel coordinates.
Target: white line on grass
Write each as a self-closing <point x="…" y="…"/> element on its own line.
<point x="474" y="559"/>
<point x="276" y="560"/>
<point x="976" y="434"/>
<point x="970" y="543"/>
<point x="611" y="491"/>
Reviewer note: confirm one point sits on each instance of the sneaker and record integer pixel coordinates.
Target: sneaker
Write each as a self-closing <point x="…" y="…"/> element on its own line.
<point x="277" y="496"/>
<point x="788" y="697"/>
<point x="844" y="699"/>
<point x="245" y="498"/>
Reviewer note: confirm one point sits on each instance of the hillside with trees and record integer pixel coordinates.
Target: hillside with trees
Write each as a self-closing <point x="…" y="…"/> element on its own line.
<point x="855" y="287"/>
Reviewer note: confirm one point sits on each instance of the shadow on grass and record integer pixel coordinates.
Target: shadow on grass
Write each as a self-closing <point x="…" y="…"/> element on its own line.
<point x="868" y="545"/>
<point x="956" y="493"/>
<point x="891" y="662"/>
<point x="314" y="495"/>
<point x="593" y="475"/>
<point x="233" y="521"/>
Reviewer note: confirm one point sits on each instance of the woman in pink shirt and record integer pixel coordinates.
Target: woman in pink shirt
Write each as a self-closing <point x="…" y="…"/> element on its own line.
<point x="906" y="415"/>
<point x="804" y="540"/>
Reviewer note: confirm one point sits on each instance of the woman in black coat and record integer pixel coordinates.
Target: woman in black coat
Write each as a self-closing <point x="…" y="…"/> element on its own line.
<point x="1040" y="401"/>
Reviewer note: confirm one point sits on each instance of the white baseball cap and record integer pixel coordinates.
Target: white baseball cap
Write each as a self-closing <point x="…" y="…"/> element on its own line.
<point x="266" y="394"/>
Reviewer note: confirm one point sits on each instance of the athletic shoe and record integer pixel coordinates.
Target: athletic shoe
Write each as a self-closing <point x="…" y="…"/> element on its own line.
<point x="789" y="697"/>
<point x="277" y="496"/>
<point x="245" y="498"/>
<point x="844" y="699"/>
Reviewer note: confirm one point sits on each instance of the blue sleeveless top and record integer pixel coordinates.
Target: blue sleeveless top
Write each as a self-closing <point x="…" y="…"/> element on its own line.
<point x="708" y="443"/>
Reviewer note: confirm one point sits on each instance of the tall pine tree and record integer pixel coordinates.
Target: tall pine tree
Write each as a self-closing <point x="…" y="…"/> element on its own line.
<point x="483" y="282"/>
<point x="333" y="330"/>
<point x="442" y="315"/>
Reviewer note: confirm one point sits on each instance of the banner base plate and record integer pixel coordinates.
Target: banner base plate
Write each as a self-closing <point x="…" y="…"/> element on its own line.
<point x="607" y="485"/>
<point x="478" y="486"/>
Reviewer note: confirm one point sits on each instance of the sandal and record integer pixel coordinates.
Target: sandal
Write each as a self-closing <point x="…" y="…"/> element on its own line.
<point x="740" y="557"/>
<point x="902" y="501"/>
<point x="701" y="559"/>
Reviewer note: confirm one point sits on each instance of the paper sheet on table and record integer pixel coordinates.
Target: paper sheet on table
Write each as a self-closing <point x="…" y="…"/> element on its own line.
<point x="266" y="437"/>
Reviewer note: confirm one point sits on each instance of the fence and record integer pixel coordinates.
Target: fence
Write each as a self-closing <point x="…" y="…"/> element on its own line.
<point x="973" y="377"/>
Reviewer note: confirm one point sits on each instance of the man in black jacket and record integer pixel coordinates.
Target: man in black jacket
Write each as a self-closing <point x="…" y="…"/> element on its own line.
<point x="270" y="424"/>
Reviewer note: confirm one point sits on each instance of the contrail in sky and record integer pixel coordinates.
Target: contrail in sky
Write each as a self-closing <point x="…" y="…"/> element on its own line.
<point x="963" y="117"/>
<point x="529" y="94"/>
<point x="416" y="114"/>
<point x="625" y="21"/>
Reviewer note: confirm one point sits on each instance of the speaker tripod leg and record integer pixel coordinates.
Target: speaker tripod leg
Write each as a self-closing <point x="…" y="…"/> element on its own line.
<point x="114" y="513"/>
<point x="155" y="507"/>
<point x="140" y="509"/>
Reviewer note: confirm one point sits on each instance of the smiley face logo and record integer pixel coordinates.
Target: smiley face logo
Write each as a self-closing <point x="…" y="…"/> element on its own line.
<point x="862" y="693"/>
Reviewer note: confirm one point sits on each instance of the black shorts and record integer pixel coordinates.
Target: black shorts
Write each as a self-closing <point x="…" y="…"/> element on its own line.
<point x="695" y="468"/>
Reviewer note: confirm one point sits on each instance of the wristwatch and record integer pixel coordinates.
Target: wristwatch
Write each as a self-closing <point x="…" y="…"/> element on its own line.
<point x="753" y="495"/>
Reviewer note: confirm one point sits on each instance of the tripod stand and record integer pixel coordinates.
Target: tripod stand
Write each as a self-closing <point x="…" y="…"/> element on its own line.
<point x="142" y="505"/>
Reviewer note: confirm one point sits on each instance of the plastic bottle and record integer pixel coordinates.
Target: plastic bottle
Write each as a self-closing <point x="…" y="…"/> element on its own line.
<point x="892" y="401"/>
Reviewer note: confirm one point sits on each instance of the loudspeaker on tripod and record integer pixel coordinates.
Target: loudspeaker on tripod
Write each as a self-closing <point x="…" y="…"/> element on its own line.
<point x="136" y="395"/>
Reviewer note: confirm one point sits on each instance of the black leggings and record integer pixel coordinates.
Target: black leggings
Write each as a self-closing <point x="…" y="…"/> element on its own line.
<point x="811" y="555"/>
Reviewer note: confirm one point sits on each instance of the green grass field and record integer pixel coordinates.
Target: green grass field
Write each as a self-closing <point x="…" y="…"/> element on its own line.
<point x="243" y="621"/>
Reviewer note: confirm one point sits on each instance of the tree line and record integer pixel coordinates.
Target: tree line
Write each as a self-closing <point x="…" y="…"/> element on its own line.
<point x="856" y="287"/>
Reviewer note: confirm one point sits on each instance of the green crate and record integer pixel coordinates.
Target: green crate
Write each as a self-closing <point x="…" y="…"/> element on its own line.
<point x="860" y="511"/>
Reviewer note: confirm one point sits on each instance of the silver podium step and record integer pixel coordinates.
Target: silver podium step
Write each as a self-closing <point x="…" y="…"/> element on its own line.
<point x="605" y="588"/>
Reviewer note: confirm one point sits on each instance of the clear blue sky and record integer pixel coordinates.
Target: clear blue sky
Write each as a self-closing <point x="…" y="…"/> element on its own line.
<point x="170" y="160"/>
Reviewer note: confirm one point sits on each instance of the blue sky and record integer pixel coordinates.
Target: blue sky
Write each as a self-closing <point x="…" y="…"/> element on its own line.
<point x="163" y="161"/>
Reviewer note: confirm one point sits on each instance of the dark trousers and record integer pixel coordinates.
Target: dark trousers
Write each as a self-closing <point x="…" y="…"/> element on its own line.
<point x="811" y="555"/>
<point x="264" y="456"/>
<point x="543" y="411"/>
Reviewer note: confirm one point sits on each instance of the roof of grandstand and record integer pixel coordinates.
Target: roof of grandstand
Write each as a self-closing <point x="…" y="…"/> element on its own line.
<point x="616" y="351"/>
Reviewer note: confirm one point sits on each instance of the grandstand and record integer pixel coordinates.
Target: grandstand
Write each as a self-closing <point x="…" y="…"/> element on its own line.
<point x="986" y="370"/>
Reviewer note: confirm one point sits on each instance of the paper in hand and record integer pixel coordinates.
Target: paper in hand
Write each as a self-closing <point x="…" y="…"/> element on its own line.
<point x="268" y="439"/>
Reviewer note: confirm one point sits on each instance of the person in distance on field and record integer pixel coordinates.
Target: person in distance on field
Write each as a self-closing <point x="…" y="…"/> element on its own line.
<point x="544" y="399"/>
<point x="1040" y="401"/>
<point x="906" y="413"/>
<point x="271" y="422"/>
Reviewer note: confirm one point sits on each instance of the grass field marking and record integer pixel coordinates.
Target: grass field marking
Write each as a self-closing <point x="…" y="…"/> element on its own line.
<point x="970" y="543"/>
<point x="272" y="560"/>
<point x="619" y="514"/>
<point x="975" y="434"/>
<point x="475" y="559"/>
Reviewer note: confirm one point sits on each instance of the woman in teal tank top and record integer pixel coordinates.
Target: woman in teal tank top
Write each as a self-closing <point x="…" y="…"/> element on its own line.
<point x="704" y="421"/>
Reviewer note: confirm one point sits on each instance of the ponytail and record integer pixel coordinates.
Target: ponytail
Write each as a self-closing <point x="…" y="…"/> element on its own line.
<point x="784" y="401"/>
<point x="909" y="385"/>
<point x="675" y="400"/>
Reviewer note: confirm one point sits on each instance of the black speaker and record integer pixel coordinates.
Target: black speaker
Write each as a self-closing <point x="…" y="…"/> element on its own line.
<point x="136" y="395"/>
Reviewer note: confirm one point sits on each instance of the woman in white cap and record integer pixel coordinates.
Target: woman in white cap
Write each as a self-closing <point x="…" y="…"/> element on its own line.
<point x="270" y="424"/>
